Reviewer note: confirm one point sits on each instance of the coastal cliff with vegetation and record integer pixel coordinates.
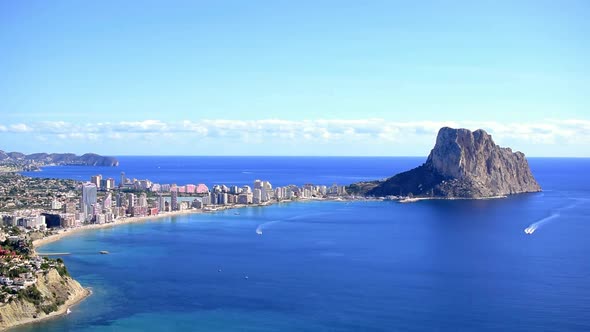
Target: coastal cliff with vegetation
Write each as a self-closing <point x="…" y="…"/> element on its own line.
<point x="32" y="287"/>
<point x="19" y="161"/>
<point x="51" y="295"/>
<point x="462" y="164"/>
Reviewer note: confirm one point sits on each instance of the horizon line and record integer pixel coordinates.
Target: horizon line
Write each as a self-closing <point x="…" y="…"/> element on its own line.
<point x="316" y="156"/>
<point x="278" y="156"/>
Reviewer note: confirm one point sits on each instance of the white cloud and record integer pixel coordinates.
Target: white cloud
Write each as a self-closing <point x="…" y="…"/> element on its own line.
<point x="325" y="131"/>
<point x="55" y="126"/>
<point x="19" y="128"/>
<point x="145" y="126"/>
<point x="115" y="136"/>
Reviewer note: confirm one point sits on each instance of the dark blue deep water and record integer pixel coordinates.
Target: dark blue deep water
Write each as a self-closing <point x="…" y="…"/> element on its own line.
<point x="338" y="266"/>
<point x="280" y="171"/>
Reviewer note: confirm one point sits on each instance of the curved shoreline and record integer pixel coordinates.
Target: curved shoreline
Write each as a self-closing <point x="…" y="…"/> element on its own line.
<point x="132" y="220"/>
<point x="79" y="297"/>
<point x="122" y="221"/>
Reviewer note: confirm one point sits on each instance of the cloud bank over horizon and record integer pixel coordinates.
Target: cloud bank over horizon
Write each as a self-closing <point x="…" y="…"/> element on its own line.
<point x="374" y="136"/>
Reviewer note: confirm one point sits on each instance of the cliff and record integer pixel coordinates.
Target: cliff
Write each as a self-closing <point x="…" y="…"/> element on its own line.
<point x="88" y="159"/>
<point x="54" y="295"/>
<point x="462" y="164"/>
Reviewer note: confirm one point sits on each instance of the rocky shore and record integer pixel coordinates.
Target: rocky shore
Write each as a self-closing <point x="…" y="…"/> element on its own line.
<point x="62" y="291"/>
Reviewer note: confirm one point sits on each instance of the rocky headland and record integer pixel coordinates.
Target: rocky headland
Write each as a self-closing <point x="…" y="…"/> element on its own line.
<point x="20" y="161"/>
<point x="462" y="164"/>
<point x="52" y="295"/>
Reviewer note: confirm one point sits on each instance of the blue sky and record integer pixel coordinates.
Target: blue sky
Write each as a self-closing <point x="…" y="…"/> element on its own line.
<point x="292" y="77"/>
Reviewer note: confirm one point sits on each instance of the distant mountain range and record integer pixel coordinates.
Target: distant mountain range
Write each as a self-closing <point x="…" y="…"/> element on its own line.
<point x="41" y="159"/>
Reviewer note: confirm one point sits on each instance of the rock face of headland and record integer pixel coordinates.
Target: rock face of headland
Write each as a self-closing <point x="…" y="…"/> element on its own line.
<point x="56" y="293"/>
<point x="462" y="164"/>
<point x="88" y="159"/>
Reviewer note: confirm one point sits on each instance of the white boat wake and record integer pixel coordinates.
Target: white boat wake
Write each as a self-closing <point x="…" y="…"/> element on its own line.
<point x="265" y="225"/>
<point x="294" y="218"/>
<point x="534" y="226"/>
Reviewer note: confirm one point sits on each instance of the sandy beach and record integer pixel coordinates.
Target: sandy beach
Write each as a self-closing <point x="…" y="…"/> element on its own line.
<point x="80" y="296"/>
<point x="130" y="220"/>
<point x="121" y="221"/>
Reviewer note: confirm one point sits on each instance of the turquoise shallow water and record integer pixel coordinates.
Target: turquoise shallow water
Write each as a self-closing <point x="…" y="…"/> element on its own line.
<point x="338" y="266"/>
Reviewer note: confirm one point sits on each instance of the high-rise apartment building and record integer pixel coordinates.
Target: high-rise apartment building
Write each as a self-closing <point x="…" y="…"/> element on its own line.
<point x="130" y="200"/>
<point x="95" y="179"/>
<point x="108" y="201"/>
<point x="120" y="199"/>
<point x="201" y="189"/>
<point x="257" y="196"/>
<point x="190" y="188"/>
<point x="221" y="198"/>
<point x="123" y="179"/>
<point x="174" y="200"/>
<point x="143" y="200"/>
<point x="89" y="191"/>
<point x="161" y="203"/>
<point x="107" y="184"/>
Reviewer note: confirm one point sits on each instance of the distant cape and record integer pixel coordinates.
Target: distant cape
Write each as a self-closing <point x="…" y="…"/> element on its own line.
<point x="462" y="164"/>
<point x="88" y="159"/>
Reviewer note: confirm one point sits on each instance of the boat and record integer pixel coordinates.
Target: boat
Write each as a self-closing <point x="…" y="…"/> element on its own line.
<point x="103" y="252"/>
<point x="68" y="311"/>
<point x="259" y="231"/>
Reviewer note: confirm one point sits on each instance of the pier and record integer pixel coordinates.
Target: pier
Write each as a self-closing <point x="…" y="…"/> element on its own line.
<point x="53" y="253"/>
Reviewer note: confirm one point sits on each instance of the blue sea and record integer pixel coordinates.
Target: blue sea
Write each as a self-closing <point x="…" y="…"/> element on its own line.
<point x="463" y="265"/>
<point x="280" y="171"/>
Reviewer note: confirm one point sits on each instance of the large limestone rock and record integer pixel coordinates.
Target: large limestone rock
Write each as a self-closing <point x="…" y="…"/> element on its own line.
<point x="462" y="164"/>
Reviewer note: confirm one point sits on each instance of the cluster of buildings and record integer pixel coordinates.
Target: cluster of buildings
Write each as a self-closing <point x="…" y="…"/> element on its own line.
<point x="103" y="201"/>
<point x="140" y="198"/>
<point x="19" y="192"/>
<point x="28" y="218"/>
<point x="19" y="269"/>
<point x="24" y="273"/>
